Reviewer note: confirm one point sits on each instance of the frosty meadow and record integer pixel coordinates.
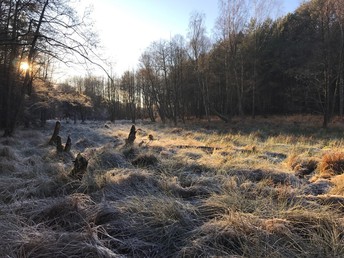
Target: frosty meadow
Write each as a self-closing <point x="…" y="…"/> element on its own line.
<point x="253" y="188"/>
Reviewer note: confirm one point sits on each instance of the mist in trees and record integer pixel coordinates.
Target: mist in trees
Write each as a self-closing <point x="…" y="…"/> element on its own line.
<point x="251" y="64"/>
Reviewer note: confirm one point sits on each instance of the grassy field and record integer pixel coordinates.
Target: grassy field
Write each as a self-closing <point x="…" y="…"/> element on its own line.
<point x="269" y="187"/>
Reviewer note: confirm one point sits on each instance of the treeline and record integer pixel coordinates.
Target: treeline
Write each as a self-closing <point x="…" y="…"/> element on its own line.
<point x="251" y="65"/>
<point x="255" y="66"/>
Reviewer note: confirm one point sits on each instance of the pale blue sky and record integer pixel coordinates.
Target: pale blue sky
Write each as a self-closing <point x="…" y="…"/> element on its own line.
<point x="127" y="27"/>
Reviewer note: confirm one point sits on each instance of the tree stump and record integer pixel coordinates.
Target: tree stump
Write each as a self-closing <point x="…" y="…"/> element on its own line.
<point x="68" y="145"/>
<point x="132" y="136"/>
<point x="80" y="167"/>
<point x="59" y="146"/>
<point x="55" y="134"/>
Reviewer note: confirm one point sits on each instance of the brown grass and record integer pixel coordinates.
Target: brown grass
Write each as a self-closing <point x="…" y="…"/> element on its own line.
<point x="338" y="188"/>
<point x="332" y="163"/>
<point x="237" y="196"/>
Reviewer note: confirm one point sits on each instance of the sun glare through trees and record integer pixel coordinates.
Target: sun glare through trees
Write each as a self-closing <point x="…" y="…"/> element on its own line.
<point x="24" y="66"/>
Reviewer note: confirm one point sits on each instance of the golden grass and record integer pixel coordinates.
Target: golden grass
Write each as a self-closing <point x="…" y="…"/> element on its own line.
<point x="338" y="188"/>
<point x="332" y="163"/>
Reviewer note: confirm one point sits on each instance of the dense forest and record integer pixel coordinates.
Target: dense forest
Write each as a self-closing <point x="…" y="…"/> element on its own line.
<point x="251" y="65"/>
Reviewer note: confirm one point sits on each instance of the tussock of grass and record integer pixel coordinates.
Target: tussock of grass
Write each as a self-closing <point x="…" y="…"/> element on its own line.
<point x="106" y="158"/>
<point x="320" y="186"/>
<point x="8" y="141"/>
<point x="7" y="167"/>
<point x="296" y="163"/>
<point x="68" y="214"/>
<point x="130" y="153"/>
<point x="146" y="160"/>
<point x="318" y="232"/>
<point x="41" y="242"/>
<point x="123" y="182"/>
<point x="194" y="186"/>
<point x="299" y="234"/>
<point x="238" y="235"/>
<point x="8" y="153"/>
<point x="159" y="226"/>
<point x="338" y="182"/>
<point x="84" y="143"/>
<point x="237" y="195"/>
<point x="331" y="164"/>
<point x="257" y="175"/>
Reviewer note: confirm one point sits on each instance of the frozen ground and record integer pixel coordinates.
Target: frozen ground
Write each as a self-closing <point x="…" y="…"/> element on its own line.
<point x="182" y="192"/>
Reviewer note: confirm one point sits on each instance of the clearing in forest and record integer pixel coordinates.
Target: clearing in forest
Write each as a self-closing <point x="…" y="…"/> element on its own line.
<point x="252" y="188"/>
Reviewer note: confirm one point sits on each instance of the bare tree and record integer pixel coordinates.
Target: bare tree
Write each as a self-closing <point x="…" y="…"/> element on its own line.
<point x="149" y="83"/>
<point x="232" y="20"/>
<point x="325" y="12"/>
<point x="155" y="63"/>
<point x="261" y="11"/>
<point x="199" y="46"/>
<point x="33" y="30"/>
<point x="28" y="49"/>
<point x="177" y="63"/>
<point x="128" y="86"/>
<point x="338" y="7"/>
<point x="145" y="86"/>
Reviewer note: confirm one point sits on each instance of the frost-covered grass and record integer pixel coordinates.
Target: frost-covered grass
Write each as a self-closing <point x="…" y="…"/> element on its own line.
<point x="251" y="188"/>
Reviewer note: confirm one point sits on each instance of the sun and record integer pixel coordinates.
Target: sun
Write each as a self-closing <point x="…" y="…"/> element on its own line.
<point x="24" y="66"/>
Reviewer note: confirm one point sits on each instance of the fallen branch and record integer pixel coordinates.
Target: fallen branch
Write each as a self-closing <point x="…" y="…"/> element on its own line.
<point x="206" y="148"/>
<point x="221" y="116"/>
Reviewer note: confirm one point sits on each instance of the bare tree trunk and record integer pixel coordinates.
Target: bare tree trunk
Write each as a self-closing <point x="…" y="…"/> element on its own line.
<point x="55" y="134"/>
<point x="325" y="34"/>
<point x="80" y="167"/>
<point x="340" y="72"/>
<point x="59" y="146"/>
<point x="27" y="84"/>
<point x="132" y="136"/>
<point x="221" y="116"/>
<point x="11" y="74"/>
<point x="254" y="84"/>
<point x="68" y="144"/>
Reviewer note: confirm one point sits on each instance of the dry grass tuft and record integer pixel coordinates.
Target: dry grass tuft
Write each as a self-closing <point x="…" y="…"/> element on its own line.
<point x="332" y="163"/>
<point x="124" y="182"/>
<point x="303" y="166"/>
<point x="106" y="158"/>
<point x="8" y="153"/>
<point x="147" y="160"/>
<point x="238" y="235"/>
<point x="338" y="185"/>
<point x="158" y="225"/>
<point x="295" y="162"/>
<point x="42" y="242"/>
<point x="276" y="226"/>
